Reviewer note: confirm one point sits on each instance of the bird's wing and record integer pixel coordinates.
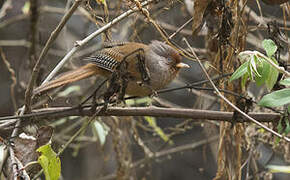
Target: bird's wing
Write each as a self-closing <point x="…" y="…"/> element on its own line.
<point x="103" y="60"/>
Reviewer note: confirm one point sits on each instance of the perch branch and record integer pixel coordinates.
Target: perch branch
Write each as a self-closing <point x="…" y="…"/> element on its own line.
<point x="198" y="114"/>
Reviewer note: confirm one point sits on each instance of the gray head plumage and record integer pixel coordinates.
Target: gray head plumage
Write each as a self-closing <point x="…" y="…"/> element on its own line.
<point x="162" y="49"/>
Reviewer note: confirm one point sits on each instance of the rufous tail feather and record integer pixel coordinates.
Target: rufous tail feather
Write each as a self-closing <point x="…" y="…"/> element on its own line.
<point x="69" y="77"/>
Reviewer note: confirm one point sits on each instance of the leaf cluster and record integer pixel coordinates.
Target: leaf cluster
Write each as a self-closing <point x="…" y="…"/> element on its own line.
<point x="256" y="67"/>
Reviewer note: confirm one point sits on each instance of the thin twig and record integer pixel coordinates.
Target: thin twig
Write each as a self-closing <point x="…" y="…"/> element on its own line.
<point x="19" y="42"/>
<point x="22" y="171"/>
<point x="34" y="15"/>
<point x="171" y="27"/>
<point x="16" y="164"/>
<point x="231" y="104"/>
<point x="260" y="9"/>
<point x="12" y="20"/>
<point x="140" y="142"/>
<point x="177" y="149"/>
<point x="11" y="150"/>
<point x="180" y="28"/>
<point x="13" y="78"/>
<point x="280" y="69"/>
<point x="85" y="125"/>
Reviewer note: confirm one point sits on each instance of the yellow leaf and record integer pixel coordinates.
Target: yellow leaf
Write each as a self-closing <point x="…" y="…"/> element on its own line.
<point x="152" y="122"/>
<point x="49" y="162"/>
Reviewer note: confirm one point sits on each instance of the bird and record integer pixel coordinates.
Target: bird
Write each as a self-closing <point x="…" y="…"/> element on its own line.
<point x="144" y="68"/>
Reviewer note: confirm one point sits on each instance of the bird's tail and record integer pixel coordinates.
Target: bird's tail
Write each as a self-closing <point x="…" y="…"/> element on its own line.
<point x="69" y="77"/>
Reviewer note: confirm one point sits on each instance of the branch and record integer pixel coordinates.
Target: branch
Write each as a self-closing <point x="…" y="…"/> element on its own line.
<point x="13" y="78"/>
<point x="280" y="69"/>
<point x="34" y="16"/>
<point x="197" y="114"/>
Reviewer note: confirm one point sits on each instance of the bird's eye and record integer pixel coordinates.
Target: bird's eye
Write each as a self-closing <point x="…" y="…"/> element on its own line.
<point x="170" y="59"/>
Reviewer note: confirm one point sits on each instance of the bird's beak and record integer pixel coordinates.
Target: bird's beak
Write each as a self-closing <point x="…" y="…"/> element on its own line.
<point x="182" y="65"/>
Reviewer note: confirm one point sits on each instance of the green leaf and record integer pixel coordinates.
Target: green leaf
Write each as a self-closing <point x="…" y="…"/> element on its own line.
<point x="280" y="127"/>
<point x="69" y="90"/>
<point x="279" y="169"/>
<point x="272" y="77"/>
<point x="244" y="81"/>
<point x="102" y="2"/>
<point x="270" y="47"/>
<point x="144" y="100"/>
<point x="25" y="9"/>
<point x="285" y="82"/>
<point x="49" y="162"/>
<point x="253" y="65"/>
<point x="240" y="71"/>
<point x="287" y="129"/>
<point x="264" y="71"/>
<point x="250" y="72"/>
<point x="102" y="130"/>
<point x="276" y="98"/>
<point x="152" y="122"/>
